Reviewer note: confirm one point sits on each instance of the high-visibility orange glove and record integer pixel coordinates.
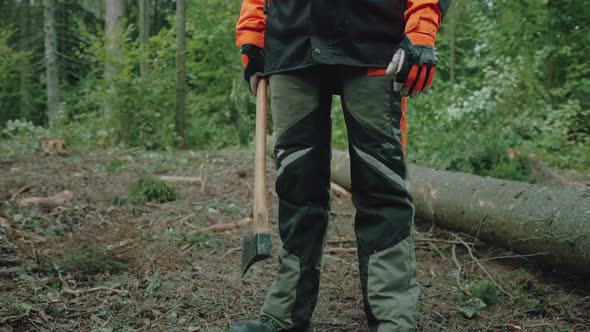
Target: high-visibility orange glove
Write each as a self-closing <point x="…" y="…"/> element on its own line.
<point x="413" y="64"/>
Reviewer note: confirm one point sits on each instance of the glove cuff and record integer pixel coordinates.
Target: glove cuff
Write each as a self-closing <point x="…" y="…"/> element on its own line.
<point x="418" y="38"/>
<point x="419" y="54"/>
<point x="253" y="60"/>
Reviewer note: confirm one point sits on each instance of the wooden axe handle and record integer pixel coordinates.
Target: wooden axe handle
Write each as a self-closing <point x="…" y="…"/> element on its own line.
<point x="260" y="213"/>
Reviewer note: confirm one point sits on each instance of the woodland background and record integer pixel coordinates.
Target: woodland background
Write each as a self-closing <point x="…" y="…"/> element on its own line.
<point x="513" y="80"/>
<point x="136" y="223"/>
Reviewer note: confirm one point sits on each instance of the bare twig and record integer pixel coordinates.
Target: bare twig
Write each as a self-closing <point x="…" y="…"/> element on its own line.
<point x="510" y="256"/>
<point x="183" y="218"/>
<point x="231" y="251"/>
<point x="482" y="267"/>
<point x="204" y="173"/>
<point x="244" y="222"/>
<point x="339" y="191"/>
<point x="102" y="221"/>
<point x="344" y="214"/>
<point x="30" y="236"/>
<point x="48" y="202"/>
<point x="14" y="318"/>
<point x="478" y="230"/>
<point x="149" y="323"/>
<point x="334" y="258"/>
<point x="155" y="205"/>
<point x="459" y="268"/>
<point x="433" y="246"/>
<point x="93" y="290"/>
<point x="417" y="239"/>
<point x="333" y="251"/>
<point x="218" y="228"/>
<point x="20" y="191"/>
<point x="173" y="178"/>
<point x="434" y="240"/>
<point x="340" y="241"/>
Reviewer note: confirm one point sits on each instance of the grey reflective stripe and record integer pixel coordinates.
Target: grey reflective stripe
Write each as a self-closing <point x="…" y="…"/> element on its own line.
<point x="291" y="158"/>
<point x="381" y="167"/>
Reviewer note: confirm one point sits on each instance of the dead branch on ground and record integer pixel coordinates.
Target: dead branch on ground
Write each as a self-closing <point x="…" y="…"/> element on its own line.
<point x="56" y="200"/>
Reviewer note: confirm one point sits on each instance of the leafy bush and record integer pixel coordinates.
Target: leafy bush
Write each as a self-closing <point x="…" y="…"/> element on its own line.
<point x="486" y="291"/>
<point x="116" y="166"/>
<point x="90" y="259"/>
<point x="200" y="240"/>
<point x="20" y="137"/>
<point x="10" y="63"/>
<point x="512" y="76"/>
<point x="149" y="188"/>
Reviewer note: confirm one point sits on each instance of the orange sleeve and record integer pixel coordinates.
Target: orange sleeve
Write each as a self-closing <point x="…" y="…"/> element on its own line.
<point x="423" y="18"/>
<point x="251" y="24"/>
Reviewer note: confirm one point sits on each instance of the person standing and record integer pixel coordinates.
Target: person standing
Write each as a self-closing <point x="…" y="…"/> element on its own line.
<point x="374" y="54"/>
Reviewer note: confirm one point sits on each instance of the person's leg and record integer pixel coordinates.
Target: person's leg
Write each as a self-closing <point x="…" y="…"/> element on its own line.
<point x="384" y="218"/>
<point x="302" y="127"/>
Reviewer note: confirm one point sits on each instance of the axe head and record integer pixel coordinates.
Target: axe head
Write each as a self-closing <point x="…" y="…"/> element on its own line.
<point x="255" y="248"/>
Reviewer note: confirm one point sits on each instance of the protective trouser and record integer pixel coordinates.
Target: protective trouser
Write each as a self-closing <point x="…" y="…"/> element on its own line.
<point x="301" y="106"/>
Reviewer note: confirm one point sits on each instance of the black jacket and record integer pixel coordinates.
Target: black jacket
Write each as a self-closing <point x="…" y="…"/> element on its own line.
<point x="301" y="33"/>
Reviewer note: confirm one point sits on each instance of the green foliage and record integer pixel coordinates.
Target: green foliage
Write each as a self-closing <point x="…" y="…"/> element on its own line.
<point x="512" y="75"/>
<point x="529" y="293"/>
<point x="219" y="106"/>
<point x="142" y="107"/>
<point x="471" y="307"/>
<point x="90" y="259"/>
<point x="513" y="87"/>
<point x="485" y="291"/>
<point x="116" y="166"/>
<point x="116" y="200"/>
<point x="154" y="283"/>
<point x="199" y="240"/>
<point x="339" y="133"/>
<point x="11" y="61"/>
<point x="149" y="188"/>
<point x="20" y="137"/>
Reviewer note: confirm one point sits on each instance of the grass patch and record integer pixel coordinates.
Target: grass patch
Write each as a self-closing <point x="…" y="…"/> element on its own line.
<point x="201" y="240"/>
<point x="116" y="166"/>
<point x="91" y="260"/>
<point x="149" y="188"/>
<point x="486" y="291"/>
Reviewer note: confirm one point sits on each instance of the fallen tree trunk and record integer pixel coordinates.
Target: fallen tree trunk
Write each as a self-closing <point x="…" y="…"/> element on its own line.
<point x="525" y="218"/>
<point x="550" y="223"/>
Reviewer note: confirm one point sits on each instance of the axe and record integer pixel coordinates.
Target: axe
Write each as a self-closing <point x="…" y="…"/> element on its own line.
<point x="258" y="245"/>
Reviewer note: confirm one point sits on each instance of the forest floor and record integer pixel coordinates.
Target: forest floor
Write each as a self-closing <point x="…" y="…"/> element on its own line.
<point x="95" y="264"/>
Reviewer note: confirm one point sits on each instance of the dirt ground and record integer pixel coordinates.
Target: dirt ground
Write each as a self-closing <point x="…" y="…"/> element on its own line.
<point x="98" y="264"/>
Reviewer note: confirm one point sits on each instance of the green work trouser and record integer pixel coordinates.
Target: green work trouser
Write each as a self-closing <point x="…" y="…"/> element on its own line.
<point x="301" y="106"/>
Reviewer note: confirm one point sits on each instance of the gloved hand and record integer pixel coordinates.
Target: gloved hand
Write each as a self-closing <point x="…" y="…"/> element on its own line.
<point x="253" y="61"/>
<point x="413" y="65"/>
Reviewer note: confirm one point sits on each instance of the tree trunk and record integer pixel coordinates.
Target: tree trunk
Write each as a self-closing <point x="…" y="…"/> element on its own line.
<point x="51" y="61"/>
<point x="64" y="41"/>
<point x="453" y="18"/>
<point x="238" y="104"/>
<point x="143" y="36"/>
<point x="115" y="11"/>
<point x="156" y="24"/>
<point x="181" y="70"/>
<point x="96" y="7"/>
<point x="522" y="217"/>
<point x="25" y="71"/>
<point x="551" y="223"/>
